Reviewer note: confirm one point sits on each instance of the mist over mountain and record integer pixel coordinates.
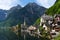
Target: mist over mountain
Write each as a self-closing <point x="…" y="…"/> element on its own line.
<point x="31" y="12"/>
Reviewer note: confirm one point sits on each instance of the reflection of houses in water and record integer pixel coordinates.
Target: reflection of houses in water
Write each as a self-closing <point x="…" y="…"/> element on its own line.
<point x="24" y="28"/>
<point x="15" y="29"/>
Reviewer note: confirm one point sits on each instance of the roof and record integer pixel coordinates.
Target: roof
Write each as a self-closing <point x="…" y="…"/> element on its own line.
<point x="32" y="28"/>
<point x="47" y="17"/>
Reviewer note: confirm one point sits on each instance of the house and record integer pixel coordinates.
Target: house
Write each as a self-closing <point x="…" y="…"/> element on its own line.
<point x="45" y="27"/>
<point x="57" y="22"/>
<point x="46" y="21"/>
<point x="57" y="18"/>
<point x="46" y="18"/>
<point x="31" y="29"/>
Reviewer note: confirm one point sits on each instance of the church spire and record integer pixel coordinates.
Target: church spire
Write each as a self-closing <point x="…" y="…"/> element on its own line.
<point x="24" y="21"/>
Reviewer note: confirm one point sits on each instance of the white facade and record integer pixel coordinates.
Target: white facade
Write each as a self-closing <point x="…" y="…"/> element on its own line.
<point x="49" y="22"/>
<point x="41" y="21"/>
<point x="44" y="26"/>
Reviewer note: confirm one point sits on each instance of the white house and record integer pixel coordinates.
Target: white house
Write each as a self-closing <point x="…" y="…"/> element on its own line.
<point x="46" y="19"/>
<point x="45" y="27"/>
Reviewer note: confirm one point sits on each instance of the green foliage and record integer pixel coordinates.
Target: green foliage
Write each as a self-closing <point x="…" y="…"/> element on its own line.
<point x="57" y="38"/>
<point x="44" y="33"/>
<point x="37" y="22"/>
<point x="40" y="28"/>
<point x="55" y="9"/>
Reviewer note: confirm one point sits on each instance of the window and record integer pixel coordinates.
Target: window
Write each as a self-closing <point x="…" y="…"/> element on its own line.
<point x="58" y="23"/>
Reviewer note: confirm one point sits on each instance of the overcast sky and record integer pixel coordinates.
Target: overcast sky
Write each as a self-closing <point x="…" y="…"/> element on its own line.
<point x="7" y="4"/>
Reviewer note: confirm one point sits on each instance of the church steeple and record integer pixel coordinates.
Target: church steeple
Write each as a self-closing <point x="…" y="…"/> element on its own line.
<point x="24" y="22"/>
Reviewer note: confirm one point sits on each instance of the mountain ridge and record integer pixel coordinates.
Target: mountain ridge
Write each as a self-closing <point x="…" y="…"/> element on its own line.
<point x="30" y="12"/>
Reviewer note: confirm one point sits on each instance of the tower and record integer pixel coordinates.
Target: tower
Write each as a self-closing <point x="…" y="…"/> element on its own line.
<point x="24" y="22"/>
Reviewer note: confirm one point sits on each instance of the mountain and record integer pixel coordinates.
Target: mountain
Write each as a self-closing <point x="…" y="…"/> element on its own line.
<point x="2" y="14"/>
<point x="30" y="13"/>
<point x="15" y="8"/>
<point x="55" y="9"/>
<point x="5" y="13"/>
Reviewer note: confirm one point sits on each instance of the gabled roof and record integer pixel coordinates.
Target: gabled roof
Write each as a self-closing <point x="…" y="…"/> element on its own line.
<point x="47" y="17"/>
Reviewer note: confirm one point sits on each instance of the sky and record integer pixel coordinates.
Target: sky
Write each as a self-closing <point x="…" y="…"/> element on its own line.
<point x="7" y="4"/>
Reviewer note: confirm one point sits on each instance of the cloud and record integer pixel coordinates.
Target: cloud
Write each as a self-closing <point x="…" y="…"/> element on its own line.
<point x="7" y="4"/>
<point x="46" y="3"/>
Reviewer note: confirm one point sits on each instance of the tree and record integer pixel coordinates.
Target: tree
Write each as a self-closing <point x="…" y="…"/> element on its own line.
<point x="19" y="31"/>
